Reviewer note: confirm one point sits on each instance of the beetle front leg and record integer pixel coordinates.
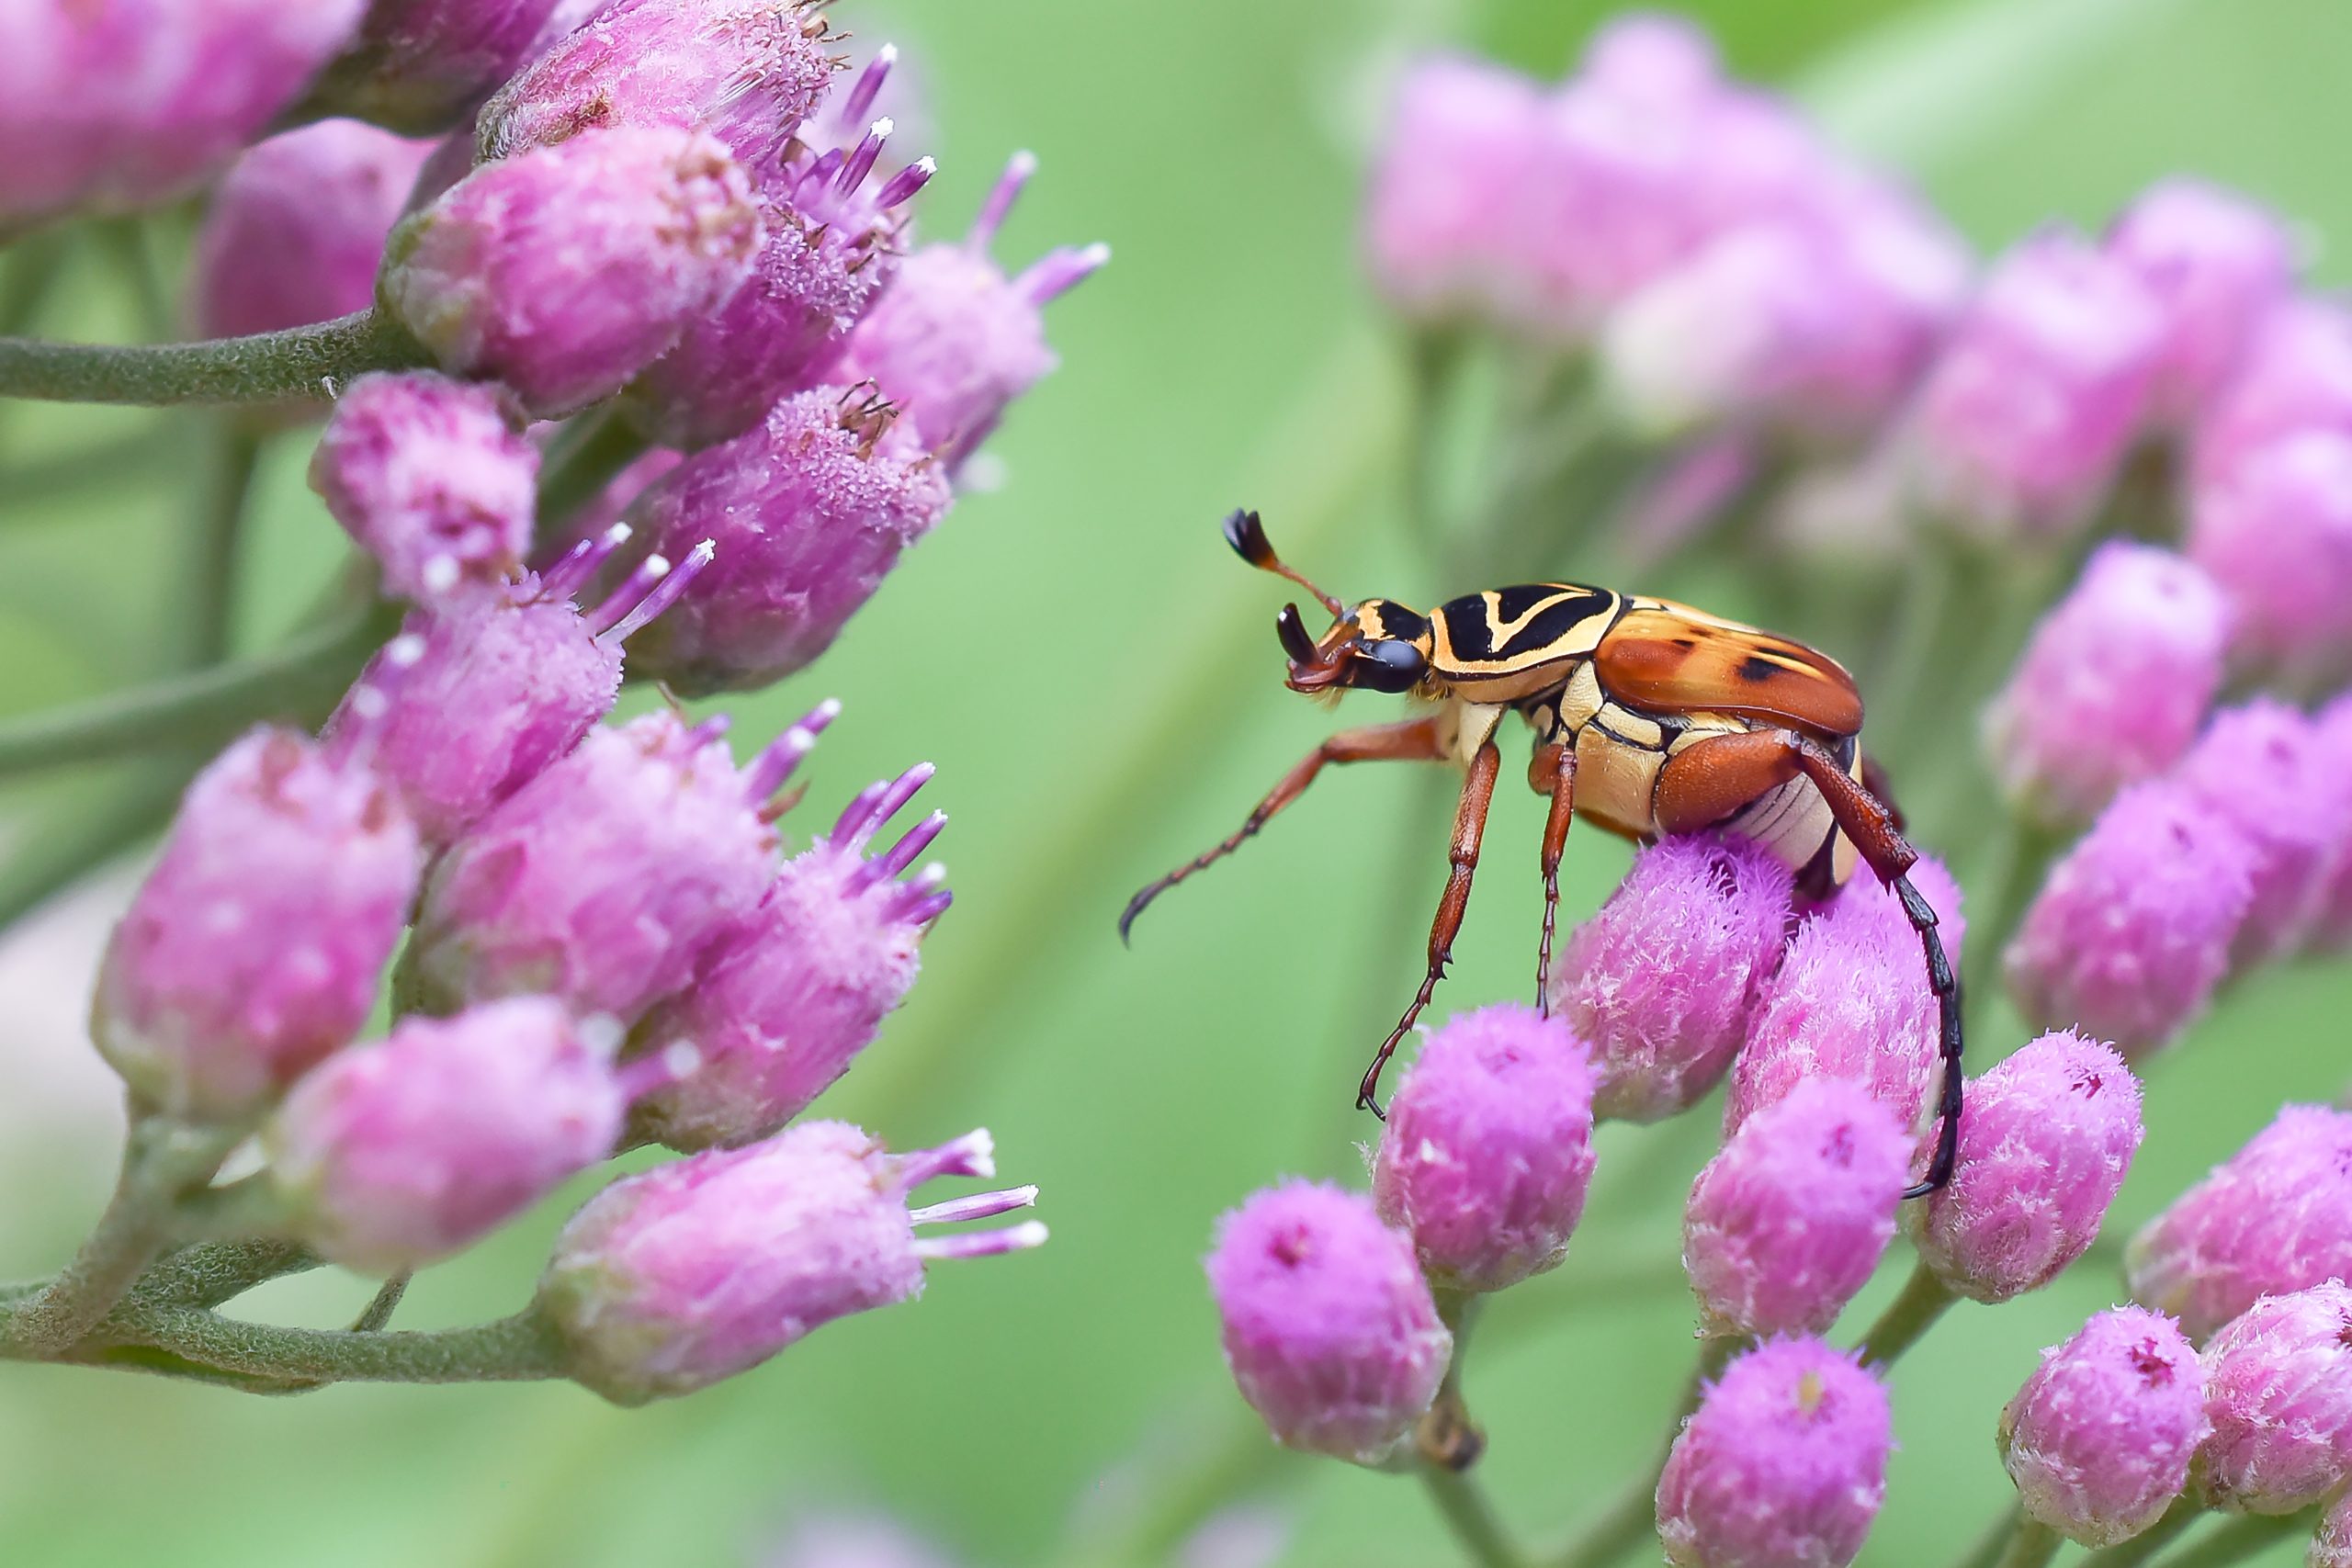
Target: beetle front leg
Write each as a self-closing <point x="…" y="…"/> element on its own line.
<point x="1709" y="781"/>
<point x="1558" y="762"/>
<point x="1469" y="827"/>
<point x="1414" y="741"/>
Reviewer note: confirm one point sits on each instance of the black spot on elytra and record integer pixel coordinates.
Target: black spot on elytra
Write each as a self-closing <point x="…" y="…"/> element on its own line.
<point x="1756" y="666"/>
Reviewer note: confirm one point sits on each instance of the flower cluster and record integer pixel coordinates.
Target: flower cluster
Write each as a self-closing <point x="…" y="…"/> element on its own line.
<point x="664" y="221"/>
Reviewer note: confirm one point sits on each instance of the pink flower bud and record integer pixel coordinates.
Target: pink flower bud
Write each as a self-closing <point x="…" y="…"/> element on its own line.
<point x="792" y="992"/>
<point x="605" y="879"/>
<point x="2278" y="1393"/>
<point x="1852" y="1000"/>
<point x="2274" y="1217"/>
<point x="2275" y="529"/>
<point x="1330" y="1328"/>
<point x="1813" y="323"/>
<point x="256" y="944"/>
<point x="2045" y="1144"/>
<point x="422" y="65"/>
<point x="504" y="683"/>
<point x="395" y="1154"/>
<point x="2261" y="767"/>
<point x="1788" y="1222"/>
<point x="2215" y="262"/>
<point x="429" y="476"/>
<point x="2295" y="375"/>
<point x="2112" y="686"/>
<point x="564" y="271"/>
<point x="2332" y="1542"/>
<point x="832" y="241"/>
<point x="2024" y="421"/>
<point x="1456" y="154"/>
<point x="1663" y="979"/>
<point x="809" y="513"/>
<point x="2131" y="932"/>
<point x="295" y="229"/>
<point x="1783" y="1464"/>
<point x="2332" y="930"/>
<point x="2098" y="1439"/>
<point x="117" y="103"/>
<point x="670" y="1280"/>
<point x="746" y="70"/>
<point x="951" y="341"/>
<point x="1488" y="1147"/>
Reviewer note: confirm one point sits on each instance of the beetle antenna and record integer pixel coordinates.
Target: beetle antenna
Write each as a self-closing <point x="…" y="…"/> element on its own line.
<point x="1246" y="534"/>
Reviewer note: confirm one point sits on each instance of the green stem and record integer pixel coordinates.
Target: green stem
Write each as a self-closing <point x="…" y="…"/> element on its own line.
<point x="210" y="593"/>
<point x="211" y="1272"/>
<point x="313" y="362"/>
<point x="2238" y="1540"/>
<point x="588" y="456"/>
<point x="2022" y="853"/>
<point x="134" y="254"/>
<point x="1631" y="1517"/>
<point x="1448" y="1436"/>
<point x="521" y="1349"/>
<point x="35" y="264"/>
<point x="248" y="1208"/>
<point x="1470" y="1514"/>
<point x="202" y="711"/>
<point x="1924" y="1299"/>
<point x="2185" y="1512"/>
<point x="2031" y="1545"/>
<point x="1989" y="1546"/>
<point x="162" y="1160"/>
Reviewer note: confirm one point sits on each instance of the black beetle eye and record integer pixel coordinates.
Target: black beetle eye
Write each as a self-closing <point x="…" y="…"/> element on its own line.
<point x="1390" y="666"/>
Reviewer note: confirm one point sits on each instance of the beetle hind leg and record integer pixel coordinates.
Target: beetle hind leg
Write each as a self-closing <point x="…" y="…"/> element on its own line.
<point x="1559" y="763"/>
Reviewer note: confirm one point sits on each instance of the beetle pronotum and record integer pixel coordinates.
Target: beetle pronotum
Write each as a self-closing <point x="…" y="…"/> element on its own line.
<point x="1650" y="718"/>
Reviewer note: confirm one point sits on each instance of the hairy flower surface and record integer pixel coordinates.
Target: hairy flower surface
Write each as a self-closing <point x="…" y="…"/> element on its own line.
<point x="422" y="65"/>
<point x="1783" y="1464"/>
<point x="395" y="1154"/>
<point x="2278" y="1395"/>
<point x="2274" y="1217"/>
<point x="256" y="944"/>
<point x="792" y="992"/>
<point x="2261" y="767"/>
<point x="669" y="1280"/>
<point x="2113" y="685"/>
<point x="1330" y="1328"/>
<point x="1789" y="1221"/>
<point x="2047" y="1139"/>
<point x="2215" y="263"/>
<point x="2275" y="529"/>
<point x="1664" y="980"/>
<point x="1459" y="139"/>
<point x="2296" y="375"/>
<point x="2099" y="1439"/>
<point x="563" y="271"/>
<point x="1488" y="1152"/>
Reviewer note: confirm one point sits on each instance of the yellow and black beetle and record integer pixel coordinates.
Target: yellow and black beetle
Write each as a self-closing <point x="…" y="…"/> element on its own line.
<point x="1650" y="718"/>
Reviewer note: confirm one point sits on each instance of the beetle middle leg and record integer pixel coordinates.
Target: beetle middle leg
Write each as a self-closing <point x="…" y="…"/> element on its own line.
<point x="1553" y="771"/>
<point x="1707" y="783"/>
<point x="1469" y="827"/>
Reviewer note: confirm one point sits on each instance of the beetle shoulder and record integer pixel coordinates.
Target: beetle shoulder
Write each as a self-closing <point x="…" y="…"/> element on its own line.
<point x="1672" y="658"/>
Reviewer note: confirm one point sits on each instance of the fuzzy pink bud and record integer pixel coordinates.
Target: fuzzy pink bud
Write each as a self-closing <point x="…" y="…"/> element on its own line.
<point x="808" y="514"/>
<point x="1783" y="1464"/>
<point x="1330" y="1328"/>
<point x="2047" y="1139"/>
<point x="2295" y="375"/>
<point x="395" y="1154"/>
<point x="1456" y="150"/>
<point x="2215" y="262"/>
<point x="119" y="104"/>
<point x="2261" y="767"/>
<point x="746" y="71"/>
<point x="295" y="229"/>
<point x="792" y="992"/>
<point x="564" y="271"/>
<point x="422" y="65"/>
<point x="2025" y="417"/>
<point x="1788" y="1222"/>
<point x="670" y="1280"/>
<point x="2278" y="1393"/>
<point x="602" y="881"/>
<point x="2275" y="530"/>
<point x="2274" y="1217"/>
<point x="2113" y="685"/>
<point x="2332" y="1542"/>
<point x="1852" y="1000"/>
<point x="430" y="477"/>
<point x="1663" y="979"/>
<point x="954" y="341"/>
<point x="2098" y="1439"/>
<point x="256" y="944"/>
<point x="2332" y="929"/>
<point x="2131" y="932"/>
<point x="1488" y="1147"/>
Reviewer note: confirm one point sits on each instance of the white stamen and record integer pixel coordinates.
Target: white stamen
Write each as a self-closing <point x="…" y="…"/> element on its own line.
<point x="886" y="55"/>
<point x="618" y="534"/>
<point x="882" y="127"/>
<point x="404" y="650"/>
<point x="680" y="1058"/>
<point x="601" y="1033"/>
<point x="655" y="568"/>
<point x="441" y="574"/>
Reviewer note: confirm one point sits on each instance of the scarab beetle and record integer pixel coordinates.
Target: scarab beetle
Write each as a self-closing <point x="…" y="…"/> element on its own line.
<point x="1649" y="718"/>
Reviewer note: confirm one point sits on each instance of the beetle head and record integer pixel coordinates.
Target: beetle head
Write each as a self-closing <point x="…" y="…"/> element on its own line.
<point x="1379" y="646"/>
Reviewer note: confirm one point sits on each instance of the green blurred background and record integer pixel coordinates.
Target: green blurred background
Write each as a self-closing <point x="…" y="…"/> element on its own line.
<point x="1096" y="679"/>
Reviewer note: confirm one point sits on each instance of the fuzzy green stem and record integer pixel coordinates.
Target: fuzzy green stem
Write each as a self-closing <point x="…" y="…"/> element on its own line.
<point x="2185" y="1512"/>
<point x="1470" y="1514"/>
<point x="2237" y="1540"/>
<point x="313" y="362"/>
<point x="211" y="1272"/>
<point x="521" y="1349"/>
<point x="1448" y="1436"/>
<point x="2031" y="1545"/>
<point x="1923" y="1300"/>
